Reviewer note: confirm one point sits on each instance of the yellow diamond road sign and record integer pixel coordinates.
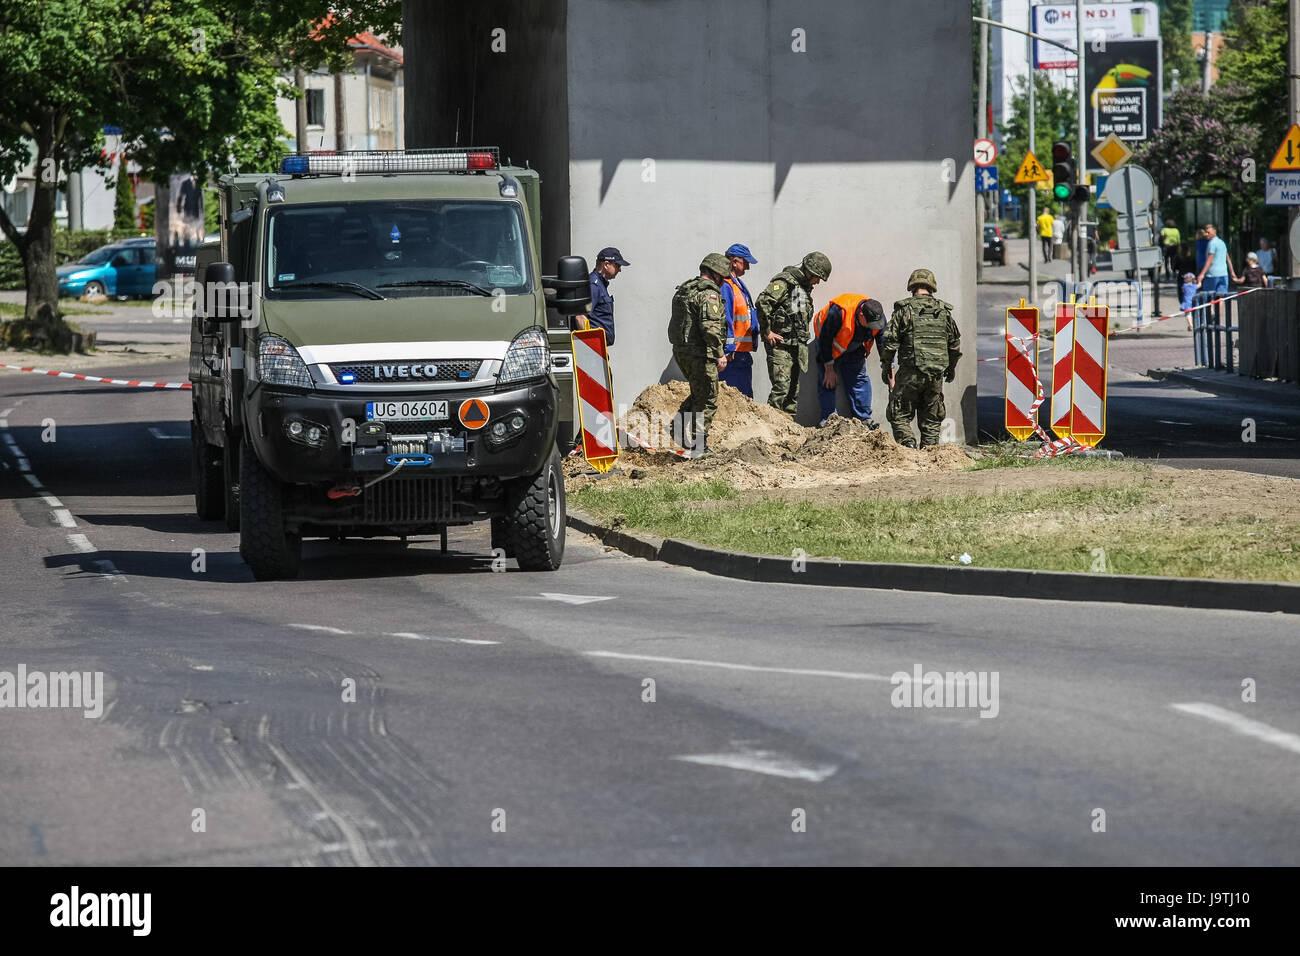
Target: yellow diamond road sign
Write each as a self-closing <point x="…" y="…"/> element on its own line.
<point x="1112" y="152"/>
<point x="1031" y="170"/>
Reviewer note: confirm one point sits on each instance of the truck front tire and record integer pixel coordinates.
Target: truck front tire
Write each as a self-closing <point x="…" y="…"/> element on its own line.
<point x="534" y="523"/>
<point x="272" y="552"/>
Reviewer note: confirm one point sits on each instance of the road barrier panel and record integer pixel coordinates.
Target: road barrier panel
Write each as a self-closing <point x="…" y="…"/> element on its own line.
<point x="1024" y="390"/>
<point x="595" y="399"/>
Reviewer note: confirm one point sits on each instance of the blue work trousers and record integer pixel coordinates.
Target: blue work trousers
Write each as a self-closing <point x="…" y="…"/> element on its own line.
<point x="852" y="372"/>
<point x="739" y="372"/>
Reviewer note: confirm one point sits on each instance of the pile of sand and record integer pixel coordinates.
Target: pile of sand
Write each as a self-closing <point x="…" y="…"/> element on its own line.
<point x="757" y="446"/>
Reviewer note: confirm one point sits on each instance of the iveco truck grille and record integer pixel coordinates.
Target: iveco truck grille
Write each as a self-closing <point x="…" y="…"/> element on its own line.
<point x="408" y="501"/>
<point x="405" y="371"/>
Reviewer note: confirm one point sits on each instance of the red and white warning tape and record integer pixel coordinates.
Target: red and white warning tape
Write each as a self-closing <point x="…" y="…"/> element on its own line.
<point x="134" y="383"/>
<point x="1138" y="326"/>
<point x="1050" y="448"/>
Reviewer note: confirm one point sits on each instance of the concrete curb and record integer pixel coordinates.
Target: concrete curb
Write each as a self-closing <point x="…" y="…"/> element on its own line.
<point x="1246" y="388"/>
<point x="1202" y="593"/>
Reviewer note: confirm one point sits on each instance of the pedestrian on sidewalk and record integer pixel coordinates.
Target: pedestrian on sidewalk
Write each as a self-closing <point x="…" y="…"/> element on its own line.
<point x="1045" y="223"/>
<point x="1188" y="297"/>
<point x="1265" y="257"/>
<point x="846" y="329"/>
<point x="1254" y="276"/>
<point x="1170" y="240"/>
<point x="1218" y="264"/>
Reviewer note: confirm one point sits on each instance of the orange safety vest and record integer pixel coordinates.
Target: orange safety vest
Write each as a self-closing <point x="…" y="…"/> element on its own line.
<point x="744" y="330"/>
<point x="848" y="304"/>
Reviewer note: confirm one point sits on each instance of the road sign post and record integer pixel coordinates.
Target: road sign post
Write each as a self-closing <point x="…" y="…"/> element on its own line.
<point x="1132" y="192"/>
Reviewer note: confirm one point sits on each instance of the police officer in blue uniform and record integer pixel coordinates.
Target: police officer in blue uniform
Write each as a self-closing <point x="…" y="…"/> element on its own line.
<point x="609" y="262"/>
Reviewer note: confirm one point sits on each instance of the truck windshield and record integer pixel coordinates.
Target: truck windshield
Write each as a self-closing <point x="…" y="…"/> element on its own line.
<point x="403" y="248"/>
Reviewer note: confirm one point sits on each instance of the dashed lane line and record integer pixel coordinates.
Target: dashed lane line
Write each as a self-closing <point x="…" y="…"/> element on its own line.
<point x="727" y="665"/>
<point x="1242" y="725"/>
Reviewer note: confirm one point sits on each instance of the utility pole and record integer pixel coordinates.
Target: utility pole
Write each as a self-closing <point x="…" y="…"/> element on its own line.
<point x="981" y="125"/>
<point x="1293" y="83"/>
<point x="1080" y="242"/>
<point x="1032" y="229"/>
<point x="300" y="110"/>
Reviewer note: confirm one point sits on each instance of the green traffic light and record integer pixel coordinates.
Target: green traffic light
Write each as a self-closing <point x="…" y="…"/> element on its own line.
<point x="1061" y="191"/>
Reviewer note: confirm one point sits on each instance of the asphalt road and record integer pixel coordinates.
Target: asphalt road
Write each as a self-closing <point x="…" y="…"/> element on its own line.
<point x="517" y="699"/>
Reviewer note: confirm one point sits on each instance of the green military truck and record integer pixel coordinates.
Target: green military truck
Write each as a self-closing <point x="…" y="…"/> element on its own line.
<point x="371" y="356"/>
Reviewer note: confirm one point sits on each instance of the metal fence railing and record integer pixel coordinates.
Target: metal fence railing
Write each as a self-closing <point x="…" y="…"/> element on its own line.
<point x="1213" y="323"/>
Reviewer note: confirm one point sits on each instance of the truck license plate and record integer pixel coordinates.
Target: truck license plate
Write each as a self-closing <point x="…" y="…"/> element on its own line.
<point x="406" y="411"/>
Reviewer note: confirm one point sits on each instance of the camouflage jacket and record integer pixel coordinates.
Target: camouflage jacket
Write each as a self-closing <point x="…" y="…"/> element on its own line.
<point x="785" y="306"/>
<point x="698" y="321"/>
<point x="923" y="334"/>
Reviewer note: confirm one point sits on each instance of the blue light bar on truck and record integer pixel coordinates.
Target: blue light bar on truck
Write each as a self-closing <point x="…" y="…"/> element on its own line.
<point x="476" y="159"/>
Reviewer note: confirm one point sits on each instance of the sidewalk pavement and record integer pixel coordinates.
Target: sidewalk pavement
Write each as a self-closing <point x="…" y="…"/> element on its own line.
<point x="1229" y="383"/>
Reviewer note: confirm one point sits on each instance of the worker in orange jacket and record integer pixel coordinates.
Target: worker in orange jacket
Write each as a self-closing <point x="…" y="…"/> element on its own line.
<point x="846" y="330"/>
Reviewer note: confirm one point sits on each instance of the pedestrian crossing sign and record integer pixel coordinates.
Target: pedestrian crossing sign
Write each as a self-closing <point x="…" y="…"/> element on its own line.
<point x="1031" y="170"/>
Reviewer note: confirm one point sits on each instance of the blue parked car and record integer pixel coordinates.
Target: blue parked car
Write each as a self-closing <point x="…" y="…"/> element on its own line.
<point x="122" y="268"/>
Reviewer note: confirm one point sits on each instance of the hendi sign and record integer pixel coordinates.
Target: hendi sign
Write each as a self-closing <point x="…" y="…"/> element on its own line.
<point x="1103" y="23"/>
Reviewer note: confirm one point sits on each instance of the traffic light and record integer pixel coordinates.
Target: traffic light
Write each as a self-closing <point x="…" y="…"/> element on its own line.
<point x="1063" y="171"/>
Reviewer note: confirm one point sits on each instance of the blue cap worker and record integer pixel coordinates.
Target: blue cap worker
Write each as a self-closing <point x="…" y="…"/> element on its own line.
<point x="609" y="262"/>
<point x="736" y="366"/>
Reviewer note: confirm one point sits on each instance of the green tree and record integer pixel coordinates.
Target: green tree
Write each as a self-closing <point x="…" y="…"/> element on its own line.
<point x="192" y="84"/>
<point x="1176" y="39"/>
<point x="124" y="202"/>
<point x="1201" y="145"/>
<point x="1253" y="64"/>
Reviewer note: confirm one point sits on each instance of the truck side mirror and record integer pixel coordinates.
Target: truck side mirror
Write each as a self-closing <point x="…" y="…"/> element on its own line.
<point x="570" y="286"/>
<point x="221" y="293"/>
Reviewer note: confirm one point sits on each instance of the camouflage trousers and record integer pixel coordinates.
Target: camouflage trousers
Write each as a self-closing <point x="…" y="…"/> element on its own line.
<point x="916" y="394"/>
<point x="702" y="375"/>
<point x="786" y="361"/>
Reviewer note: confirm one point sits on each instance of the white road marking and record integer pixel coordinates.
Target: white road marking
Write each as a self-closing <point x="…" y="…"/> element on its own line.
<point x="726" y="665"/>
<point x="51" y="501"/>
<point x="81" y="543"/>
<point x="319" y="627"/>
<point x="200" y="667"/>
<point x="1243" y="725"/>
<point x="764" y="761"/>
<point x="34" y="481"/>
<point x="434" y="637"/>
<point x="157" y="433"/>
<point x="64" y="518"/>
<point x="573" y="598"/>
<point x="23" y="464"/>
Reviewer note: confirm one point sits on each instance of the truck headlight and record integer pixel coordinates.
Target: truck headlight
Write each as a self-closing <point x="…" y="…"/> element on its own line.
<point x="278" y="363"/>
<point x="529" y="356"/>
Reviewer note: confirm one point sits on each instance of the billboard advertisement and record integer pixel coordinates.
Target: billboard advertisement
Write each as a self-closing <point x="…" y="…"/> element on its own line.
<point x="1124" y="92"/>
<point x="1103" y="23"/>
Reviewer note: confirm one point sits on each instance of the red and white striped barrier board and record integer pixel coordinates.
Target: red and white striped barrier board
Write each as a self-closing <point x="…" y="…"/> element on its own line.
<point x="595" y="399"/>
<point x="1023" y="390"/>
<point x="1088" y="381"/>
<point x="1062" y="368"/>
<point x="91" y="378"/>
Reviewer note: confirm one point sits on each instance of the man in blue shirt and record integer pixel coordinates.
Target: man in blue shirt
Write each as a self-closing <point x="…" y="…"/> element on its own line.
<point x="609" y="262"/>
<point x="1217" y="268"/>
<point x="736" y="367"/>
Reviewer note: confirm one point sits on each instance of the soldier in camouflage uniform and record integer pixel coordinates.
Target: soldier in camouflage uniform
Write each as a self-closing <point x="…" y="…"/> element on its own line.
<point x="696" y="330"/>
<point x="924" y="336"/>
<point x="784" y="311"/>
